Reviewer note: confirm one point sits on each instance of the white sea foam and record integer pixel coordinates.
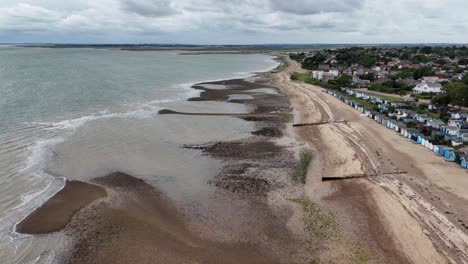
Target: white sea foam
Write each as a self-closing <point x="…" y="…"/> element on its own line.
<point x="40" y="151"/>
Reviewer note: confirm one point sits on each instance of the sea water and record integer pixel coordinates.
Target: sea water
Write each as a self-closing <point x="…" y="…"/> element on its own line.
<point x="82" y="113"/>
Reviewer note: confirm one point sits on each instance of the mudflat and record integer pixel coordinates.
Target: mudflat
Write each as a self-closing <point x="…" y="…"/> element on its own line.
<point x="57" y="212"/>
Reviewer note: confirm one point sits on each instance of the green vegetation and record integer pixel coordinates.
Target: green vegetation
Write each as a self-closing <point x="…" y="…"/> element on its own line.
<point x="300" y="172"/>
<point x="422" y="72"/>
<point x="392" y="87"/>
<point x="344" y="80"/>
<point x="318" y="224"/>
<point x="370" y="76"/>
<point x="297" y="56"/>
<point x="456" y="94"/>
<point x="425" y="96"/>
<point x="312" y="63"/>
<point x="301" y="77"/>
<point x="305" y="77"/>
<point x="465" y="79"/>
<point x="287" y="117"/>
<point x="360" y="255"/>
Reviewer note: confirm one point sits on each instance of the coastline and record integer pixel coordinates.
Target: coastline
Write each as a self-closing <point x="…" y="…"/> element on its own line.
<point x="266" y="217"/>
<point x="93" y="225"/>
<point x="413" y="218"/>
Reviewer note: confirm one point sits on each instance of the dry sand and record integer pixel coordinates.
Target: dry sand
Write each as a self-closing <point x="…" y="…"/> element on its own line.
<point x="420" y="214"/>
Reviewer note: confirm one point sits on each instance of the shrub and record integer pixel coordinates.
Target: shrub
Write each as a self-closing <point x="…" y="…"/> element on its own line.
<point x="300" y="171"/>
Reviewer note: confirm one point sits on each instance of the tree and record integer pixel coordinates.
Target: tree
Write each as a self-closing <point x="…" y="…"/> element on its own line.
<point x="458" y="93"/>
<point x="465" y="79"/>
<point x="370" y="76"/>
<point x="443" y="99"/>
<point x="426" y="50"/>
<point x="297" y="56"/>
<point x="344" y="80"/>
<point x="421" y="72"/>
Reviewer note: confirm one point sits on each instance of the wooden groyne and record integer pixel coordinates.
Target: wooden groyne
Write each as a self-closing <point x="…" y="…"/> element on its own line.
<point x="356" y="176"/>
<point x="320" y="123"/>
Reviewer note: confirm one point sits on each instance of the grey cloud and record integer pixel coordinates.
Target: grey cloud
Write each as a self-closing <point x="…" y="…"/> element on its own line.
<point x="236" y="21"/>
<point x="149" y="8"/>
<point x="308" y="7"/>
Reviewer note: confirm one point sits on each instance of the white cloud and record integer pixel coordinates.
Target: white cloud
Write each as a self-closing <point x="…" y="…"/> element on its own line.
<point x="234" y="21"/>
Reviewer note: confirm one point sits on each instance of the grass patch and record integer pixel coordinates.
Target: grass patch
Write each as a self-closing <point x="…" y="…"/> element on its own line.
<point x="300" y="171"/>
<point x="301" y="77"/>
<point x="318" y="224"/>
<point x="360" y="256"/>
<point x="287" y="117"/>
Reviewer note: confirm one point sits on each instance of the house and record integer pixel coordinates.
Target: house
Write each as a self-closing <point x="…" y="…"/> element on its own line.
<point x="428" y="88"/>
<point x="360" y="82"/>
<point x="431" y="79"/>
<point x="317" y="75"/>
<point x="451" y="130"/>
<point x="421" y="118"/>
<point x="325" y="75"/>
<point x="458" y="116"/>
<point x="457" y="142"/>
<point x="460" y="132"/>
<point x="436" y="123"/>
<point x="324" y="67"/>
<point x="392" y="63"/>
<point x="464" y="137"/>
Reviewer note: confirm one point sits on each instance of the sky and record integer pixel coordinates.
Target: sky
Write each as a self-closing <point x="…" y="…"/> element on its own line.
<point x="234" y="22"/>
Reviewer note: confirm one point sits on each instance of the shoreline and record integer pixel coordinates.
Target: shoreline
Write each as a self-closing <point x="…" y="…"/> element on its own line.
<point x="417" y="216"/>
<point x="54" y="214"/>
<point x="192" y="89"/>
<point x="251" y="191"/>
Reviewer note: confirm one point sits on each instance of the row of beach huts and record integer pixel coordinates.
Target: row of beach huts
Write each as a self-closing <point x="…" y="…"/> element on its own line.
<point x="431" y="133"/>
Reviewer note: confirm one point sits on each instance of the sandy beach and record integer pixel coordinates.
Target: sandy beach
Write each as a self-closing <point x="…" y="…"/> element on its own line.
<point x="249" y="218"/>
<point x="257" y="214"/>
<point x="410" y="218"/>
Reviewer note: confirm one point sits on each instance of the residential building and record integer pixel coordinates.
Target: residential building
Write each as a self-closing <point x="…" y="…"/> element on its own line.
<point x="425" y="87"/>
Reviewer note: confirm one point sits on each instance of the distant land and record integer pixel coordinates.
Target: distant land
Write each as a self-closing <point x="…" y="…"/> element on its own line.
<point x="257" y="47"/>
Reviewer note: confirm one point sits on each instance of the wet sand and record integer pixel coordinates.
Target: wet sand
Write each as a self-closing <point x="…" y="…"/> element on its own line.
<point x="57" y="212"/>
<point x="138" y="224"/>
<point x="247" y="219"/>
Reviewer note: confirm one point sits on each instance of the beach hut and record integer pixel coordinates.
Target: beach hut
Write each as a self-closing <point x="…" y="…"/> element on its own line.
<point x="464" y="161"/>
<point x="384" y="120"/>
<point x="425" y="141"/>
<point x="399" y="126"/>
<point x="440" y="150"/>
<point x="454" y="156"/>
<point x="420" y="139"/>
<point x="448" y="152"/>
<point x="436" y="149"/>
